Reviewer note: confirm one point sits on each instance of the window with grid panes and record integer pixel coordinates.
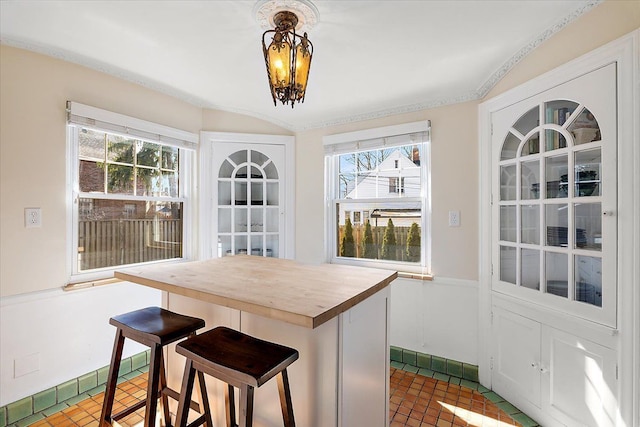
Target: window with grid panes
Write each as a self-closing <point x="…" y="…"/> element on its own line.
<point x="379" y="180"/>
<point x="129" y="191"/>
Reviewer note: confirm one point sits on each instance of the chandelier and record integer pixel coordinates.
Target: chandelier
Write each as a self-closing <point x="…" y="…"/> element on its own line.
<point x="288" y="59"/>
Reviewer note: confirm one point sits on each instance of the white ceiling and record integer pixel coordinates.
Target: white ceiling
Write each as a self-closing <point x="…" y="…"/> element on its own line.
<point x="371" y="58"/>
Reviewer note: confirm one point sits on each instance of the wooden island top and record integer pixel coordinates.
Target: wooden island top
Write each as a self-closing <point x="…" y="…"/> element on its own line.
<point x="302" y="294"/>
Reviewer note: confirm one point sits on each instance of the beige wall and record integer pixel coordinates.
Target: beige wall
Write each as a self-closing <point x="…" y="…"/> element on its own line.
<point x="606" y="22"/>
<point x="34" y="89"/>
<point x="224" y="121"/>
<point x="454" y="171"/>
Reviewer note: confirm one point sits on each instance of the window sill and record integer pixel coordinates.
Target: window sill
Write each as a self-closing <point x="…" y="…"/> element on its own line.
<point x="416" y="276"/>
<point x="90" y="284"/>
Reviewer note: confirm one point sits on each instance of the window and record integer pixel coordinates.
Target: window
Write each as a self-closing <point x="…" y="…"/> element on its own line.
<point x="396" y="184"/>
<point x="130" y="192"/>
<point x="377" y="175"/>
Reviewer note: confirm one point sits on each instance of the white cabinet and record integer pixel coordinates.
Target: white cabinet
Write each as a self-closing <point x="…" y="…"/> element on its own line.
<point x="559" y="242"/>
<point x="516" y="356"/>
<point x="250" y="208"/>
<point x="565" y="378"/>
<point x="554" y="180"/>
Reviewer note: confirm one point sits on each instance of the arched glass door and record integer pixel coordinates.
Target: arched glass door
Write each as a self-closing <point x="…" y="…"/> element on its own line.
<point x="555" y="188"/>
<point x="248" y="205"/>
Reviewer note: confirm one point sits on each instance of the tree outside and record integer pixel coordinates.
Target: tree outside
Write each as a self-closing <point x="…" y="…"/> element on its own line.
<point x="413" y="243"/>
<point x="369" y="249"/>
<point x="389" y="242"/>
<point x="121" y="172"/>
<point x="347" y="246"/>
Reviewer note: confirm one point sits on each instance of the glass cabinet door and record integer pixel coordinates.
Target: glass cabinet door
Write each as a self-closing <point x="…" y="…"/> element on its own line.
<point x="249" y="211"/>
<point x="555" y="178"/>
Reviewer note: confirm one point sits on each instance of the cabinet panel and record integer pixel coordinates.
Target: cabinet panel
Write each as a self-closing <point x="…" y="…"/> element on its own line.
<point x="364" y="393"/>
<point x="580" y="377"/>
<point x="516" y="355"/>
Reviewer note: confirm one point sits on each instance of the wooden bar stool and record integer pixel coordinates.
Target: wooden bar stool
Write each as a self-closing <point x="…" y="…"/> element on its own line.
<point x="154" y="327"/>
<point x="240" y="361"/>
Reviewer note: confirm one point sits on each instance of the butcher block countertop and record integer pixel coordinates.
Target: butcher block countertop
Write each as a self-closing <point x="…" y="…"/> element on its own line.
<point x="302" y="294"/>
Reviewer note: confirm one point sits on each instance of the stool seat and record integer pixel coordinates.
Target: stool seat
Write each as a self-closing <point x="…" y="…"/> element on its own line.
<point x="154" y="327"/>
<point x="240" y="361"/>
<point x="253" y="361"/>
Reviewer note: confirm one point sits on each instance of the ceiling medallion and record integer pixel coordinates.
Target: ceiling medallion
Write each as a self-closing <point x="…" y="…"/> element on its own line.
<point x="287" y="55"/>
<point x="265" y="11"/>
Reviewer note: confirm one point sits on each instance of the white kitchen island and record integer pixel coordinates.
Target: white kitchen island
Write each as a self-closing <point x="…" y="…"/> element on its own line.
<point x="336" y="316"/>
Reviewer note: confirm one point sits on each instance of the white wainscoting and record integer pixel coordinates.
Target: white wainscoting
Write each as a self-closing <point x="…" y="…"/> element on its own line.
<point x="50" y="337"/>
<point x="438" y="317"/>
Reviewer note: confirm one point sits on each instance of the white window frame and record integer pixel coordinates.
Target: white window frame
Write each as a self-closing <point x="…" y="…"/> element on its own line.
<point x="371" y="139"/>
<point x="84" y="116"/>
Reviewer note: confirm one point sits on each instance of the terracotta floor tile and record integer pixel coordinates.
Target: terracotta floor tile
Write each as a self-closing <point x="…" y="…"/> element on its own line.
<point x="416" y="401"/>
<point x="401" y="418"/>
<point x="443" y="423"/>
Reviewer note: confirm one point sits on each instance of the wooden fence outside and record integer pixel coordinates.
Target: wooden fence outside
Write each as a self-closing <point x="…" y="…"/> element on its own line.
<point x="402" y="234"/>
<point x="106" y="243"/>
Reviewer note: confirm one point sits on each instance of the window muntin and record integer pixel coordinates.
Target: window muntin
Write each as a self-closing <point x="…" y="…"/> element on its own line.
<point x="380" y="188"/>
<point x="128" y="197"/>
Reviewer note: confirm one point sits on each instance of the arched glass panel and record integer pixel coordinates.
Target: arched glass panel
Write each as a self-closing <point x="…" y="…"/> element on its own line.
<point x="585" y="128"/>
<point x="531" y="145"/>
<point x="529" y="121"/>
<point x="510" y="147"/>
<point x="258" y="158"/>
<point x="271" y="171"/>
<point x="239" y="157"/>
<point x="225" y="170"/>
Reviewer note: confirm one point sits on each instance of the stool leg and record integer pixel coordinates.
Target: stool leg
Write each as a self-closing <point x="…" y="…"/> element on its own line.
<point x="246" y="406"/>
<point x="230" y="403"/>
<point x="285" y="399"/>
<point x="161" y="394"/>
<point x="185" y="394"/>
<point x="153" y="385"/>
<point x="112" y="379"/>
<point x="204" y="398"/>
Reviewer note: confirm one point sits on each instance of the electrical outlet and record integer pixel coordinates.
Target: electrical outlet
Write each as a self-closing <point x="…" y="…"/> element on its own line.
<point x="454" y="218"/>
<point x="32" y="217"/>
